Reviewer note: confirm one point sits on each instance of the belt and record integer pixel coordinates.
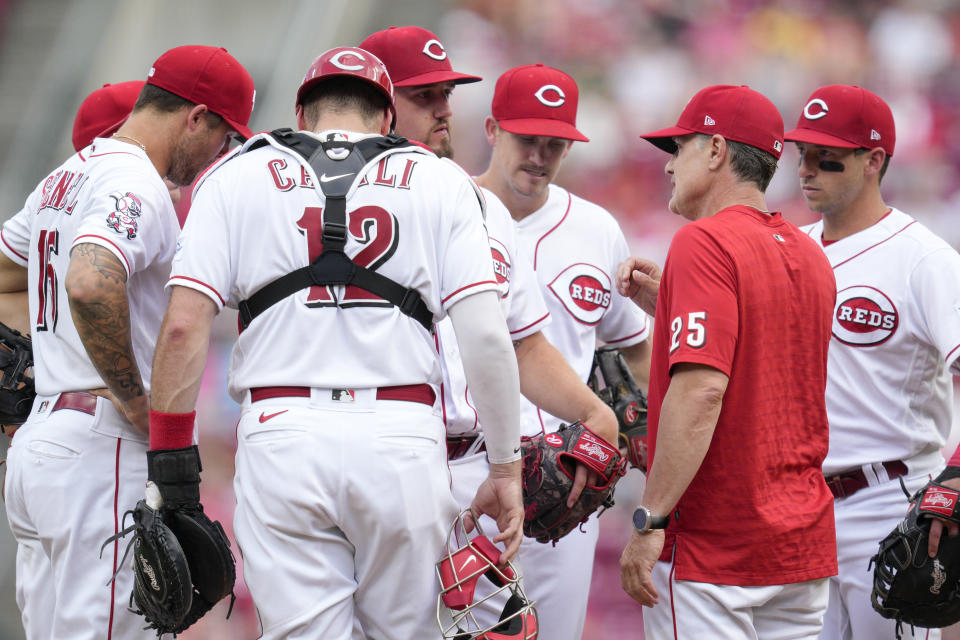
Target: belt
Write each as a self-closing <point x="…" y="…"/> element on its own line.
<point x="848" y="483"/>
<point x="457" y="446"/>
<point x="422" y="393"/>
<point x="77" y="401"/>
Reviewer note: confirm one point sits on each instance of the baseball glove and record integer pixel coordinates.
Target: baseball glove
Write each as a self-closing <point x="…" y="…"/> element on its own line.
<point x="611" y="379"/>
<point x="908" y="585"/>
<point x="16" y="387"/>
<point x="182" y="562"/>
<point x="549" y="466"/>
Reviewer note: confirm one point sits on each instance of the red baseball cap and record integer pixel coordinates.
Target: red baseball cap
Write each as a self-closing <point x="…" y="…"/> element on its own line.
<point x="210" y="76"/>
<point x="414" y="57"/>
<point x="536" y="100"/>
<point x="846" y="116"/>
<point x="103" y="111"/>
<point x="736" y="113"/>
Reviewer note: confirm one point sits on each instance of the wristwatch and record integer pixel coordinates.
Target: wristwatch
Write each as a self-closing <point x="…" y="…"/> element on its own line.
<point x="644" y="521"/>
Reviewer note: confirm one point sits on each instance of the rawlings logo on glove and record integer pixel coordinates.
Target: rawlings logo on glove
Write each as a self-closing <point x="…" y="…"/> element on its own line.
<point x="908" y="585"/>
<point x="549" y="467"/>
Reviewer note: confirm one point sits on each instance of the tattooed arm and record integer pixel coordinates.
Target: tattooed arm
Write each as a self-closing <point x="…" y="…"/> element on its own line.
<point x="97" y="289"/>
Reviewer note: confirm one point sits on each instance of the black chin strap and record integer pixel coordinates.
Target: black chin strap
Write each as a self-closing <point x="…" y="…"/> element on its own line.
<point x="336" y="164"/>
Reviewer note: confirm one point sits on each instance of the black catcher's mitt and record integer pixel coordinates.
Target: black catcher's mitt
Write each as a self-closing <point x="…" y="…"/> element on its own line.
<point x="16" y="387"/>
<point x="549" y="466"/>
<point x="908" y="585"/>
<point x="611" y="379"/>
<point x="182" y="560"/>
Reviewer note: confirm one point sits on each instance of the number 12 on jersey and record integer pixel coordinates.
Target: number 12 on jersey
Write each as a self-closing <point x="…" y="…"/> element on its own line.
<point x="370" y="226"/>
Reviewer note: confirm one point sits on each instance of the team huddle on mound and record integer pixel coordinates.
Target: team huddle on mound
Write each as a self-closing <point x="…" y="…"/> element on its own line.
<point x="444" y="377"/>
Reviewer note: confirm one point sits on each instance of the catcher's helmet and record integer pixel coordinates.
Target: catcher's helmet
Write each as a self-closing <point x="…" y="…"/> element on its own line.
<point x="351" y="62"/>
<point x="459" y="571"/>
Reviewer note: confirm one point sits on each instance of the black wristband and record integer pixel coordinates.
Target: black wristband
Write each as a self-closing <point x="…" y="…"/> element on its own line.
<point x="948" y="474"/>
<point x="176" y="472"/>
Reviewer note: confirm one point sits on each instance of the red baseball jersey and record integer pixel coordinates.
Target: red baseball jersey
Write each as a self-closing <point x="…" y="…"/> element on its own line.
<point x="751" y="295"/>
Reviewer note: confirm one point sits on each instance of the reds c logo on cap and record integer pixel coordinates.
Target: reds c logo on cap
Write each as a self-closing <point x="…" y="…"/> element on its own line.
<point x="337" y="62"/>
<point x="557" y="102"/>
<point x="815" y="109"/>
<point x="435" y="44"/>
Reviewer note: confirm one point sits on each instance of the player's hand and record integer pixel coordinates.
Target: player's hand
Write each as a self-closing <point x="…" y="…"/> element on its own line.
<point x="937" y="525"/>
<point x="501" y="497"/>
<point x="137" y="411"/>
<point x="602" y="421"/>
<point x="636" y="566"/>
<point x="639" y="280"/>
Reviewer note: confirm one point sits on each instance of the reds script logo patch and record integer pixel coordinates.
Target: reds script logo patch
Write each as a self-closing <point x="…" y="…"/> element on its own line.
<point x="864" y="317"/>
<point x="123" y="219"/>
<point x="584" y="291"/>
<point x="501" y="266"/>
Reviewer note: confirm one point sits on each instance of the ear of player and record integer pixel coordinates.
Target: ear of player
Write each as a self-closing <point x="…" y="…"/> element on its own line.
<point x="16" y="387"/>
<point x="182" y="561"/>
<point x="459" y="571"/>
<point x="908" y="585"/>
<point x="549" y="465"/>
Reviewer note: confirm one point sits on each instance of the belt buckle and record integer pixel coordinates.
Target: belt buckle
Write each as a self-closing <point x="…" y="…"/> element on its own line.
<point x="835" y="484"/>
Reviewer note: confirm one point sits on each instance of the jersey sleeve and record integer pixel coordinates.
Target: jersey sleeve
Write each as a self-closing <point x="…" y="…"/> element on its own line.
<point x="936" y="283"/>
<point x="464" y="252"/>
<point x="126" y="216"/>
<point x="15" y="237"/>
<point x="624" y="324"/>
<point x="202" y="260"/>
<point x="702" y="306"/>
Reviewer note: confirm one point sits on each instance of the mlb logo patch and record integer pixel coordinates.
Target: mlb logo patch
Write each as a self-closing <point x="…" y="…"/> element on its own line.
<point x="939" y="500"/>
<point x="343" y="395"/>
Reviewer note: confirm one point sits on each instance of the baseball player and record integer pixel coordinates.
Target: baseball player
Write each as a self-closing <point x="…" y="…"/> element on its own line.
<point x="343" y="499"/>
<point x="531" y="130"/>
<point x="423" y="77"/>
<point x="94" y="243"/>
<point x="896" y="339"/>
<point x="737" y="423"/>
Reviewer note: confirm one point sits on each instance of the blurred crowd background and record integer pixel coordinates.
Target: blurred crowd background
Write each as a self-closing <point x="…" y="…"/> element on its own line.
<point x="636" y="62"/>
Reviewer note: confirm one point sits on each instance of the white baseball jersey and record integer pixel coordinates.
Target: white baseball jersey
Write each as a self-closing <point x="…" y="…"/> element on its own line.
<point x="108" y="194"/>
<point x="413" y="217"/>
<point x="522" y="305"/>
<point x="575" y="247"/>
<point x="896" y="340"/>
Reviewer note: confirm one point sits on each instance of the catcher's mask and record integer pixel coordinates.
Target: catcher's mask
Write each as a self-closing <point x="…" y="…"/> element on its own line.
<point x="459" y="571"/>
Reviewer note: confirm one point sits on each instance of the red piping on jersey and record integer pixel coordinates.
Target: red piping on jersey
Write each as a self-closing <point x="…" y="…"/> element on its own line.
<point x="892" y="235"/>
<point x="535" y="322"/>
<point x="116" y="529"/>
<point x="200" y="282"/>
<point x="947" y="359"/>
<point x="108" y="241"/>
<point x="536" y="247"/>
<point x="673" y="611"/>
<point x="443" y="397"/>
<point x="15" y="252"/>
<point x="633" y="335"/>
<point x="475" y="284"/>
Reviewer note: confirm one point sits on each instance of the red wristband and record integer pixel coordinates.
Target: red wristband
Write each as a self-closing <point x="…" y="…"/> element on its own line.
<point x="171" y="430"/>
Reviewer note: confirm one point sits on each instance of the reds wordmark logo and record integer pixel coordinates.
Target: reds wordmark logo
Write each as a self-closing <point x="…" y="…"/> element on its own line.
<point x="123" y="219"/>
<point x="584" y="291"/>
<point x="501" y="266"/>
<point x="864" y="317"/>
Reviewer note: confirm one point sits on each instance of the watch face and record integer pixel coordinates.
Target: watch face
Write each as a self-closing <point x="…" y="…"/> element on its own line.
<point x="641" y="519"/>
